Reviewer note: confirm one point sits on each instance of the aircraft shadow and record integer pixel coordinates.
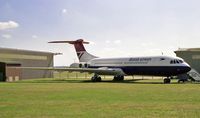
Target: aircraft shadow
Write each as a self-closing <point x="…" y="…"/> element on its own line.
<point x="132" y="81"/>
<point x="136" y="81"/>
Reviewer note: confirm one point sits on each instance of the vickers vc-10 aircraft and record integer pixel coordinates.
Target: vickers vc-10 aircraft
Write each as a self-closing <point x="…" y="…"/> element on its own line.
<point x="119" y="67"/>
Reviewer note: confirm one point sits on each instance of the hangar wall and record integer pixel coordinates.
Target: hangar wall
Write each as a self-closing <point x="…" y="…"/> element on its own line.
<point x="2" y="72"/>
<point x="191" y="56"/>
<point x="26" y="58"/>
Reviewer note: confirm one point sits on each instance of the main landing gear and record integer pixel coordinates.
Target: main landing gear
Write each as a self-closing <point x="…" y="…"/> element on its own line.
<point x="96" y="78"/>
<point x="167" y="80"/>
<point x="118" y="78"/>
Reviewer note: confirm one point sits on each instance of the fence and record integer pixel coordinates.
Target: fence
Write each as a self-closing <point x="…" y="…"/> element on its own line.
<point x="86" y="76"/>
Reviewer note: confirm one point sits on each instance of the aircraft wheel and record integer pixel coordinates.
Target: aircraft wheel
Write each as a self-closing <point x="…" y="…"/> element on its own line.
<point x="121" y="78"/>
<point x="183" y="81"/>
<point x="115" y="78"/>
<point x="96" y="79"/>
<point x="118" y="78"/>
<point x="93" y="79"/>
<point x="167" y="81"/>
<point x="99" y="79"/>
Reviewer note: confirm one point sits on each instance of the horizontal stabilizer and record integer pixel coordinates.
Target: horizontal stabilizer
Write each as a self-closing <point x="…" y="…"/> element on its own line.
<point x="71" y="42"/>
<point x="82" y="54"/>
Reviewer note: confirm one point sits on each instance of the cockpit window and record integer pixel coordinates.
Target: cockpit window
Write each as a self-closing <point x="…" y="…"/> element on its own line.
<point x="180" y="61"/>
<point x="176" y="61"/>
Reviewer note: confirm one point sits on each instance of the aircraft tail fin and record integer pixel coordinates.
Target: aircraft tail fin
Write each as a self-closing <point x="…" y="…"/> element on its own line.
<point x="82" y="54"/>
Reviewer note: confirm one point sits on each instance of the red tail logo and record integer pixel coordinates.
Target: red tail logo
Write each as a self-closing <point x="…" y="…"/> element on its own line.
<point x="78" y="44"/>
<point x="82" y="54"/>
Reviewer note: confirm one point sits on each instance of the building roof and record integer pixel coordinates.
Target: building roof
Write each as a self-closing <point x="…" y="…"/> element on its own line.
<point x="187" y="49"/>
<point x="23" y="50"/>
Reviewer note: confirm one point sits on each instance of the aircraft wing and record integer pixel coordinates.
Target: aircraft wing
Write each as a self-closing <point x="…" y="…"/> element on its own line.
<point x="100" y="71"/>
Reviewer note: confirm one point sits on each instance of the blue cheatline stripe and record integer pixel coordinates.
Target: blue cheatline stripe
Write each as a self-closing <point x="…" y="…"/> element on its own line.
<point x="152" y="70"/>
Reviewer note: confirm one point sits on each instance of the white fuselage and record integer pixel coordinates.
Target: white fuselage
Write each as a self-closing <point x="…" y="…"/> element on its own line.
<point x="151" y="65"/>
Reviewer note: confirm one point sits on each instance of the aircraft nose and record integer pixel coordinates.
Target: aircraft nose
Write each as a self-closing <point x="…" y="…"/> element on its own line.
<point x="184" y="69"/>
<point x="188" y="68"/>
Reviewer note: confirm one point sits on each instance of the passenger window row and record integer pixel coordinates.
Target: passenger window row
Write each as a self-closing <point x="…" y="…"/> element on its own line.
<point x="176" y="61"/>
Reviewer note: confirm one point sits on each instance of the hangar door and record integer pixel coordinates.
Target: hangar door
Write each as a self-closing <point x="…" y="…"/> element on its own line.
<point x="2" y="72"/>
<point x="13" y="74"/>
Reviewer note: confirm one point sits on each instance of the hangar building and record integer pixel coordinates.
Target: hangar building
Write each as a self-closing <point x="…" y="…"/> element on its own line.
<point x="24" y="58"/>
<point x="191" y="56"/>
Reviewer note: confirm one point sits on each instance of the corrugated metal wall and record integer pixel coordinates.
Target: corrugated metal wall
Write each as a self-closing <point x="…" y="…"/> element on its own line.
<point x="191" y="57"/>
<point x="27" y="58"/>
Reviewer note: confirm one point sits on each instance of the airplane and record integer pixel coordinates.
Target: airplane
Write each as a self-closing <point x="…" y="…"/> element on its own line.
<point x="119" y="67"/>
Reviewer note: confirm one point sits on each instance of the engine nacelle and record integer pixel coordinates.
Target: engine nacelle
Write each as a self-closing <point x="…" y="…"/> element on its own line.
<point x="74" y="65"/>
<point x="110" y="71"/>
<point x="79" y="65"/>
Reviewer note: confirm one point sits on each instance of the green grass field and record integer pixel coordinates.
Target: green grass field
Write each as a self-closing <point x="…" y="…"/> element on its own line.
<point x="55" y="98"/>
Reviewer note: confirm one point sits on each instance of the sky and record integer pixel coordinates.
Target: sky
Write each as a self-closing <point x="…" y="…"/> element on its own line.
<point x="115" y="28"/>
